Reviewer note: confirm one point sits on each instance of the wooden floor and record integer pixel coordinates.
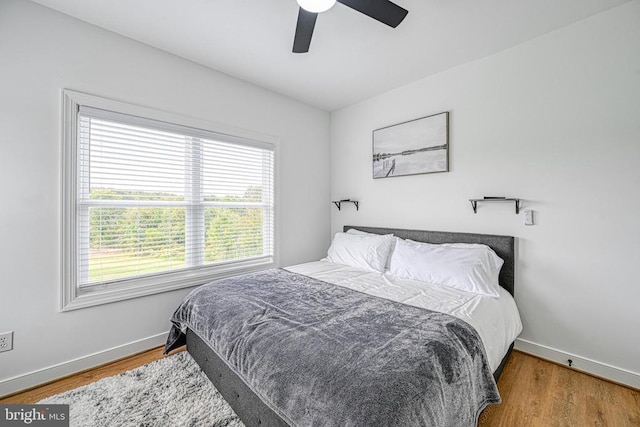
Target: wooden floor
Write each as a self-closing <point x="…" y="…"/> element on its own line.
<point x="534" y="393"/>
<point x="73" y="381"/>
<point x="540" y="393"/>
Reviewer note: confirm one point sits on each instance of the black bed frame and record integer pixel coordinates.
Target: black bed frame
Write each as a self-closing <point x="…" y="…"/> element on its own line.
<point x="253" y="411"/>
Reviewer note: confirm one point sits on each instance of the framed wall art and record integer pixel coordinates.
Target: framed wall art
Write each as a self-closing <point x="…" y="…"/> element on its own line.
<point x="414" y="147"/>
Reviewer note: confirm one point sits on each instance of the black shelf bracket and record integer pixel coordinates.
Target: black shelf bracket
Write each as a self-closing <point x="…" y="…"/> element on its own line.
<point x="339" y="203"/>
<point x="474" y="202"/>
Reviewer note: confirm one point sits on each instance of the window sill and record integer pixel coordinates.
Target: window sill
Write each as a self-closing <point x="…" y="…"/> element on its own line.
<point x="93" y="295"/>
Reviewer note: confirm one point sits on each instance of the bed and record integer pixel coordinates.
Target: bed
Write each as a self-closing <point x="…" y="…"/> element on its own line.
<point x="277" y="379"/>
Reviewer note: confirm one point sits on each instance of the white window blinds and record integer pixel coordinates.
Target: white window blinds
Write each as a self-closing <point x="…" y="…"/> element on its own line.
<point x="154" y="197"/>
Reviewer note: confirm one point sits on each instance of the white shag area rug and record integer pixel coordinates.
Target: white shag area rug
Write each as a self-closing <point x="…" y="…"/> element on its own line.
<point x="168" y="392"/>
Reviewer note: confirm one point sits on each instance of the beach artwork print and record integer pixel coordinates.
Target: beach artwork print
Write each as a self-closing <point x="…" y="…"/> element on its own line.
<point x="410" y="148"/>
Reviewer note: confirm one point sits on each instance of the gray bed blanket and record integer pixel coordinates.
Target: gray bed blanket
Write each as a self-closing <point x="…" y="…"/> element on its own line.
<point x="323" y="355"/>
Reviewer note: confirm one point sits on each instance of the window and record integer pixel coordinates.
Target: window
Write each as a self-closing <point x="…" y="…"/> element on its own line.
<point x="152" y="204"/>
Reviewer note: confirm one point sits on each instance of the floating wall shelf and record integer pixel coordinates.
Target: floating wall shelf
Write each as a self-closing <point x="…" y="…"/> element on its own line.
<point x="339" y="203"/>
<point x="474" y="202"/>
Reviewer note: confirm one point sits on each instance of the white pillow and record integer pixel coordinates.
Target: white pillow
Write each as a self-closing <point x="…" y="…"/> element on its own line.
<point x="467" y="267"/>
<point x="363" y="251"/>
<point x="364" y="233"/>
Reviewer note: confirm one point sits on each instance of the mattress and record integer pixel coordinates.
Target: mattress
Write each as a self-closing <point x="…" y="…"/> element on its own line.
<point x="325" y="355"/>
<point x="496" y="320"/>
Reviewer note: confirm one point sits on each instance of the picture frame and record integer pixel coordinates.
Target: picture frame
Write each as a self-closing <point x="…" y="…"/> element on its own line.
<point x="418" y="146"/>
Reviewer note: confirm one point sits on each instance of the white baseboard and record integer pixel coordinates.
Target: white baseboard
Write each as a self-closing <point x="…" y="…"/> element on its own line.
<point x="45" y="375"/>
<point x="583" y="364"/>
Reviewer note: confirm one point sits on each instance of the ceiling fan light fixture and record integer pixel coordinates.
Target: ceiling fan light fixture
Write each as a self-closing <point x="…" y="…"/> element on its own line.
<point x="316" y="6"/>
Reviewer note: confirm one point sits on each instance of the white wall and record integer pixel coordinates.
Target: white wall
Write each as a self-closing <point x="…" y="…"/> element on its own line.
<point x="555" y="121"/>
<point x="43" y="51"/>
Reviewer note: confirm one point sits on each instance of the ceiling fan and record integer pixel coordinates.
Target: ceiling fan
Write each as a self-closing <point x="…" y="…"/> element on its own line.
<point x="381" y="10"/>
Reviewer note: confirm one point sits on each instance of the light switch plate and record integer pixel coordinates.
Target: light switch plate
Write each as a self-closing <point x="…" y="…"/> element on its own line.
<point x="528" y="217"/>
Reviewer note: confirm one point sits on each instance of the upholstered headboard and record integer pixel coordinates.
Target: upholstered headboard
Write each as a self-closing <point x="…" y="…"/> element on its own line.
<point x="504" y="246"/>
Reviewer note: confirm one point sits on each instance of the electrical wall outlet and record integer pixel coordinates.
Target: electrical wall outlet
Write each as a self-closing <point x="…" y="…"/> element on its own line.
<point x="6" y="341"/>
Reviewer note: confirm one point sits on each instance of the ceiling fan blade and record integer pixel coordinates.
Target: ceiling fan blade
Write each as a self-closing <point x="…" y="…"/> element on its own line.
<point x="304" y="31"/>
<point x="381" y="10"/>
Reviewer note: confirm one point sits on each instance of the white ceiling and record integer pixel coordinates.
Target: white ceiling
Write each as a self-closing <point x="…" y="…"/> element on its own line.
<point x="352" y="57"/>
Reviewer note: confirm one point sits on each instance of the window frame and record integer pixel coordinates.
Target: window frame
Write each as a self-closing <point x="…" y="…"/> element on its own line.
<point x="72" y="295"/>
